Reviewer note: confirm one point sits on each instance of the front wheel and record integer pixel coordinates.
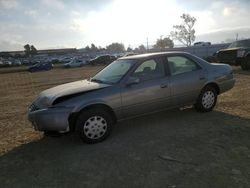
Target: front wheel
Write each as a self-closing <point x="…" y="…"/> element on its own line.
<point x="94" y="125"/>
<point x="206" y="100"/>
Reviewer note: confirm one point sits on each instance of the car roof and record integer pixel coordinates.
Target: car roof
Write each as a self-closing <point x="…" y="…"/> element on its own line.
<point x="157" y="54"/>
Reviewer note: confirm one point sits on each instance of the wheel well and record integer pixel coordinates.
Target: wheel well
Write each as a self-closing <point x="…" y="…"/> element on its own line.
<point x="73" y="117"/>
<point x="215" y="86"/>
<point x="248" y="55"/>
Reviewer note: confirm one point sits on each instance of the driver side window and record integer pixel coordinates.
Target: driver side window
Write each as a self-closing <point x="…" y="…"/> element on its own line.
<point x="149" y="69"/>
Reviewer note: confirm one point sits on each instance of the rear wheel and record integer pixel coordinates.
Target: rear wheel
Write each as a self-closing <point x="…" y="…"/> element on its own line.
<point x="94" y="125"/>
<point x="206" y="100"/>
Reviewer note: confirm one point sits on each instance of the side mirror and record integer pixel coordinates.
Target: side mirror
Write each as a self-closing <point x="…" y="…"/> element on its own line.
<point x="132" y="81"/>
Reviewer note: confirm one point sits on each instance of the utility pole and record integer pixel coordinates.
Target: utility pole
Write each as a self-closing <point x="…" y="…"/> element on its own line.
<point x="236" y="36"/>
<point x="147" y="44"/>
<point x="161" y="42"/>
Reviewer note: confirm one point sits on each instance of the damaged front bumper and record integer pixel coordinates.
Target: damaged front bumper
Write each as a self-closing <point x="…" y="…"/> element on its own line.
<point x="51" y="119"/>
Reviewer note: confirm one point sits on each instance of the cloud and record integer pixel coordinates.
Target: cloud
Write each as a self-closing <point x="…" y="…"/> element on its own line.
<point x="8" y="45"/>
<point x="224" y="34"/>
<point x="77" y="23"/>
<point x="30" y="12"/>
<point x="56" y="4"/>
<point x="8" y="4"/>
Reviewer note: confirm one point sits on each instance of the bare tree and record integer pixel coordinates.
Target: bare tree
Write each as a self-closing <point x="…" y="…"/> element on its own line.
<point x="185" y="32"/>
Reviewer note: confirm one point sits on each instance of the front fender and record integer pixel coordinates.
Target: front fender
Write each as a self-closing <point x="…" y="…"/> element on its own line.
<point x="82" y="106"/>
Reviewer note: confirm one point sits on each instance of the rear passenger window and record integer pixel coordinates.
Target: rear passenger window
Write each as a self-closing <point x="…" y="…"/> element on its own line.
<point x="178" y="65"/>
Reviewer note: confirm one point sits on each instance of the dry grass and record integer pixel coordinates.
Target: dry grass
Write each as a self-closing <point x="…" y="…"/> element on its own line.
<point x="17" y="90"/>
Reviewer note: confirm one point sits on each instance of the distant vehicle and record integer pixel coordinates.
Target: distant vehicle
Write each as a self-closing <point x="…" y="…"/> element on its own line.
<point x="102" y="60"/>
<point x="16" y="62"/>
<point x="75" y="63"/>
<point x="66" y="59"/>
<point x="25" y="62"/>
<point x="7" y="63"/>
<point x="201" y="43"/>
<point x="44" y="66"/>
<point x="129" y="87"/>
<point x="237" y="53"/>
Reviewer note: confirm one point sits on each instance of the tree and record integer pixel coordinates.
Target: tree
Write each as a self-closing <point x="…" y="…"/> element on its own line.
<point x="93" y="48"/>
<point x="87" y="48"/>
<point x="164" y="43"/>
<point x="142" y="48"/>
<point x="33" y="50"/>
<point x="129" y="49"/>
<point x="27" y="49"/>
<point x="116" y="47"/>
<point x="30" y="50"/>
<point x="185" y="32"/>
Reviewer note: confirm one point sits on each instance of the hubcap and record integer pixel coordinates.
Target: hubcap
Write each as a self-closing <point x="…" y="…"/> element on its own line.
<point x="95" y="127"/>
<point x="208" y="99"/>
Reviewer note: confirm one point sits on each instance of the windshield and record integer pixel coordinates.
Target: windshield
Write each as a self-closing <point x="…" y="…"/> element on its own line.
<point x="113" y="72"/>
<point x="241" y="43"/>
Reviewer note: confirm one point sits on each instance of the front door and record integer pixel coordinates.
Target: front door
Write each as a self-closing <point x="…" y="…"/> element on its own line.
<point x="151" y="93"/>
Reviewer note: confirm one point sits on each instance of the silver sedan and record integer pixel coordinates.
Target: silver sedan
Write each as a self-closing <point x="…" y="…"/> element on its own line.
<point x="130" y="86"/>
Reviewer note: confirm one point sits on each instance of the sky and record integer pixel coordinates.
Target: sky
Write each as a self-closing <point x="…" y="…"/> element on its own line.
<point x="50" y="24"/>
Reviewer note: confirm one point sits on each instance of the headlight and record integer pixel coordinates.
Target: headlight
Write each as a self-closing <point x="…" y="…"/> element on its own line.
<point x="240" y="53"/>
<point x="33" y="107"/>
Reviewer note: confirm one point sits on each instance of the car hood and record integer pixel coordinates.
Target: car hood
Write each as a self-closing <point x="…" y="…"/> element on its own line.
<point x="47" y="97"/>
<point x="232" y="49"/>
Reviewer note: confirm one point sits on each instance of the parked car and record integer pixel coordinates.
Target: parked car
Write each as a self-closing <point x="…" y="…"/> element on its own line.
<point x="237" y="53"/>
<point x="202" y="43"/>
<point x="7" y="63"/>
<point x="65" y="59"/>
<point x="75" y="63"/>
<point x="41" y="66"/>
<point x="16" y="62"/>
<point x="102" y="60"/>
<point x="128" y="87"/>
<point x="25" y="62"/>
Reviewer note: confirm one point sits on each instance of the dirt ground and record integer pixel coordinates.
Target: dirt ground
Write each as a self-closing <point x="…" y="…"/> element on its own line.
<point x="176" y="148"/>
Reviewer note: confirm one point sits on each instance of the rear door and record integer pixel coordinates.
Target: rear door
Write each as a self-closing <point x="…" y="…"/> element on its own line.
<point x="186" y="80"/>
<point x="152" y="93"/>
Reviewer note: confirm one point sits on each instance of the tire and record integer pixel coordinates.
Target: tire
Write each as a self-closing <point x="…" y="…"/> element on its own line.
<point x="206" y="100"/>
<point x="245" y="64"/>
<point x="94" y="125"/>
